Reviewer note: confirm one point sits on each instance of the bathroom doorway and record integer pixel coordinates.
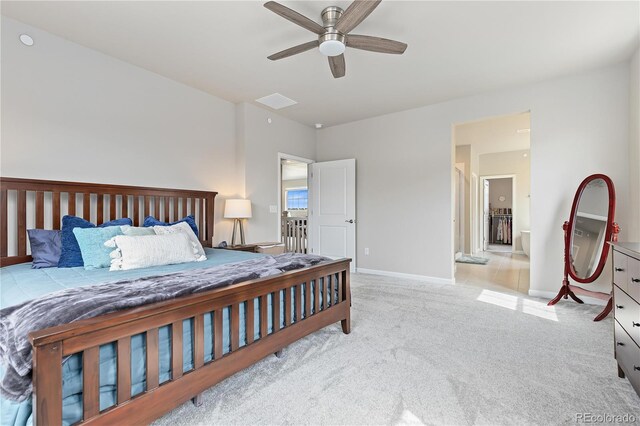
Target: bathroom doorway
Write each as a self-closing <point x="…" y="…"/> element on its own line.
<point x="498" y="213"/>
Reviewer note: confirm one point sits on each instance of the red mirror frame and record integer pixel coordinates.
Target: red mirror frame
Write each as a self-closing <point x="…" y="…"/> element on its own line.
<point x="608" y="231"/>
<point x="611" y="234"/>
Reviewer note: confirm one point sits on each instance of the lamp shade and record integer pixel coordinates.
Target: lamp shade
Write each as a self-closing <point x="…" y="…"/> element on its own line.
<point x="237" y="209"/>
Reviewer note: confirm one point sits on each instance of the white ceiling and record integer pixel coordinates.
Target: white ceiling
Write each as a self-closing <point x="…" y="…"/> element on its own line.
<point x="498" y="134"/>
<point x="455" y="48"/>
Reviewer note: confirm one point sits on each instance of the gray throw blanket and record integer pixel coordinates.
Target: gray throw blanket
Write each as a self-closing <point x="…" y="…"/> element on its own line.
<point x="62" y="307"/>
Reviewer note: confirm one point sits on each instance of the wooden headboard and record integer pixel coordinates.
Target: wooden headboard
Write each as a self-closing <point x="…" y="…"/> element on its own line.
<point x="41" y="204"/>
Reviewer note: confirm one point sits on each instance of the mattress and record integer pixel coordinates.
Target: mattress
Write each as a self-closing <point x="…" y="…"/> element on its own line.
<point x="21" y="283"/>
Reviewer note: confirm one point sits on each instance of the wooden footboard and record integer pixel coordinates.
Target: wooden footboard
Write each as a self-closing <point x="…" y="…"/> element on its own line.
<point x="86" y="337"/>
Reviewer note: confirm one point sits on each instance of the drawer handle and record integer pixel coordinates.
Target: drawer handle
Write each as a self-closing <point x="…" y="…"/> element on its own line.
<point x="636" y="324"/>
<point x="636" y="368"/>
<point x="619" y="343"/>
<point x="635" y="280"/>
<point x="619" y="306"/>
<point x="619" y="269"/>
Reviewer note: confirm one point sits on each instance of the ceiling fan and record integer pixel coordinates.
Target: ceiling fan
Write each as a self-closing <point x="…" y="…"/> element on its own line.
<point x="333" y="34"/>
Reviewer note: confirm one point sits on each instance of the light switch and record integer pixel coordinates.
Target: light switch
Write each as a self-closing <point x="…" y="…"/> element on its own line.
<point x="273" y="209"/>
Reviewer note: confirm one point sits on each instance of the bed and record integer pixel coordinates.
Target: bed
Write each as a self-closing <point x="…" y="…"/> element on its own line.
<point x="133" y="365"/>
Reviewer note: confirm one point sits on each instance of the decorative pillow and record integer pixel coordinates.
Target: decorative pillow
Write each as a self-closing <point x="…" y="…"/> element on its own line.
<point x="182" y="227"/>
<point x="136" y="231"/>
<point x="150" y="250"/>
<point x="71" y="256"/>
<point x="190" y="220"/>
<point x="91" y="241"/>
<point x="45" y="247"/>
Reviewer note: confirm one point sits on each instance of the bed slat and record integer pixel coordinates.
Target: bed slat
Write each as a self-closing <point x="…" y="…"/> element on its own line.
<point x="166" y="209"/>
<point x="22" y="223"/>
<point x="340" y="288"/>
<point x="125" y="205"/>
<point x="217" y="334"/>
<point x="39" y="209"/>
<point x="91" y="382"/>
<point x="307" y="299"/>
<point x="147" y="207"/>
<point x="330" y="295"/>
<point x="176" y="350"/>
<point x="124" y="369"/>
<point x="100" y="214"/>
<point x="287" y="307"/>
<point x="156" y="208"/>
<point x="276" y="310"/>
<point x="183" y="213"/>
<point x="86" y="206"/>
<point x="55" y="207"/>
<point x="136" y="210"/>
<point x="316" y="296"/>
<point x="4" y="238"/>
<point x="152" y="359"/>
<point x="198" y="341"/>
<point x="298" y="303"/>
<point x="249" y="323"/>
<point x="235" y="326"/>
<point x="193" y="208"/>
<point x="209" y="222"/>
<point x="199" y="218"/>
<point x="112" y="207"/>
<point x="71" y="204"/>
<point x="264" y="321"/>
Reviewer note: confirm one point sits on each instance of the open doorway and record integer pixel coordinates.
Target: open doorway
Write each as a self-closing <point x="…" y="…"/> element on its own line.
<point x="294" y="201"/>
<point x="491" y="206"/>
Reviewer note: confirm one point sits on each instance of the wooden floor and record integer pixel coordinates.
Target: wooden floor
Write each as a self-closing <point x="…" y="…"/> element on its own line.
<point x="504" y="270"/>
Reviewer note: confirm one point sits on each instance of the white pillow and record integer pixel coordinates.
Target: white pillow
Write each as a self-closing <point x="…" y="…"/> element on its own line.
<point x="183" y="228"/>
<point x="151" y="250"/>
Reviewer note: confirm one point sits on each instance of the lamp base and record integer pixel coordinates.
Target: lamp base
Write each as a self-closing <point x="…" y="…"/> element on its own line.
<point x="237" y="223"/>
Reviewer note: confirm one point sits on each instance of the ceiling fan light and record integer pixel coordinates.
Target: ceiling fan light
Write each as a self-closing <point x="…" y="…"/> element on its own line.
<point x="332" y="48"/>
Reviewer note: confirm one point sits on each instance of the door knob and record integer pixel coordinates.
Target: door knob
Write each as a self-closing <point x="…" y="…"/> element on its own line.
<point x="619" y="269"/>
<point x="620" y="343"/>
<point x="349" y="221"/>
<point x="636" y="324"/>
<point x="619" y="306"/>
<point x="635" y="280"/>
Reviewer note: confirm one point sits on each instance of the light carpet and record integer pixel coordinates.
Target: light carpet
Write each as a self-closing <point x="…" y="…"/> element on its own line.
<point x="421" y="353"/>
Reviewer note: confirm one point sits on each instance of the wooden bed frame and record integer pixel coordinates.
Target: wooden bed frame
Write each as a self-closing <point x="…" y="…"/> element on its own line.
<point x="52" y="344"/>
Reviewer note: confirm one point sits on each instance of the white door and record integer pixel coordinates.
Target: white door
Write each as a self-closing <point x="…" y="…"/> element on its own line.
<point x="332" y="215"/>
<point x="485" y="207"/>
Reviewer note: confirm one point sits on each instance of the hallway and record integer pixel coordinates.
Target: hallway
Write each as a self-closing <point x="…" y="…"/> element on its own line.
<point x="504" y="270"/>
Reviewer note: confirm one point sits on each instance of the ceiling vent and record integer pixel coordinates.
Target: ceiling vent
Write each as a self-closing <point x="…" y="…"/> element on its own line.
<point x="276" y="101"/>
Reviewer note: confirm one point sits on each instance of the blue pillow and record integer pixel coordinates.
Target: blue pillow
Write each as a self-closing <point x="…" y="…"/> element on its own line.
<point x="191" y="221"/>
<point x="45" y="247"/>
<point x="71" y="256"/>
<point x="91" y="242"/>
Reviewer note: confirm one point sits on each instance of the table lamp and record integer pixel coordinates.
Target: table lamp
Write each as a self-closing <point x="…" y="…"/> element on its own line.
<point x="237" y="210"/>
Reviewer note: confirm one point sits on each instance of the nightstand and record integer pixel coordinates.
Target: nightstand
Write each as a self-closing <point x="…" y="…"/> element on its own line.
<point x="243" y="247"/>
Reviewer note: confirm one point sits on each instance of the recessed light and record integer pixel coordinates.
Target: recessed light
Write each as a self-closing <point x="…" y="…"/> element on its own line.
<point x="523" y="130"/>
<point x="318" y="125"/>
<point x="26" y="39"/>
<point x="525" y="155"/>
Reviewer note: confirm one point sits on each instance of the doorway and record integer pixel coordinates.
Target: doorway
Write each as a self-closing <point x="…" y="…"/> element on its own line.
<point x="293" y="187"/>
<point x="498" y="213"/>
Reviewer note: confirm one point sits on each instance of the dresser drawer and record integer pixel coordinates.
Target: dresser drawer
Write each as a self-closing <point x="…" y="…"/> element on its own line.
<point x="627" y="312"/>
<point x="633" y="278"/>
<point x="628" y="356"/>
<point x="620" y="269"/>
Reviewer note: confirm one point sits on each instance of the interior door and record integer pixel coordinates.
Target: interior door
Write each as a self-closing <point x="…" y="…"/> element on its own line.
<point x="332" y="211"/>
<point x="485" y="214"/>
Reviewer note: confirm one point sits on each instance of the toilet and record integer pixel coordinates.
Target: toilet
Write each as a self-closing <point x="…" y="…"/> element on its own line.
<point x="526" y="239"/>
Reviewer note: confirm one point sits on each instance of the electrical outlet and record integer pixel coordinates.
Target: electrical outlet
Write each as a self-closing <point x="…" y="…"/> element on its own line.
<point x="366" y="251"/>
<point x="273" y="209"/>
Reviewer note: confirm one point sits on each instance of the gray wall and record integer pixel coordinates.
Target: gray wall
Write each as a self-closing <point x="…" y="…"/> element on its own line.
<point x="405" y="173"/>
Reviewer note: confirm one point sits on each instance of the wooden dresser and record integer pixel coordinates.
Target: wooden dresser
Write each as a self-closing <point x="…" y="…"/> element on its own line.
<point x="626" y="298"/>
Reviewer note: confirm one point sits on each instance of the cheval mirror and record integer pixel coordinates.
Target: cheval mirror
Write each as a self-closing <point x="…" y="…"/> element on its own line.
<point x="586" y="236"/>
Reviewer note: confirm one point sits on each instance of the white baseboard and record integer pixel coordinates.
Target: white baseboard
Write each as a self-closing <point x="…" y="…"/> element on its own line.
<point x="551" y="294"/>
<point x="426" y="278"/>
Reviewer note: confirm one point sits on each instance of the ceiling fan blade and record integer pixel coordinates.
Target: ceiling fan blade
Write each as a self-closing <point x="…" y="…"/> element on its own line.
<point x="294" y="50"/>
<point x="355" y="13"/>
<point x="376" y="44"/>
<point x="337" y="65"/>
<point x="294" y="17"/>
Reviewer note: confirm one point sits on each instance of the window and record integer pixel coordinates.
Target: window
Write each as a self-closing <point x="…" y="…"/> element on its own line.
<point x="297" y="199"/>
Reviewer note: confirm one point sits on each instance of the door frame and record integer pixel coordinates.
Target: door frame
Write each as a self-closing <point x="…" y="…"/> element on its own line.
<point x="285" y="156"/>
<point x="474" y="187"/>
<point x="514" y="226"/>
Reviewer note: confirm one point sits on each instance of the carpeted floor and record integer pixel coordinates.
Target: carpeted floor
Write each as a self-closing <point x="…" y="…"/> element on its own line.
<point x="422" y="353"/>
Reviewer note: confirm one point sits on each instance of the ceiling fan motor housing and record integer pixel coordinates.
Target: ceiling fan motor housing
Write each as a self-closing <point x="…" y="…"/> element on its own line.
<point x="332" y="42"/>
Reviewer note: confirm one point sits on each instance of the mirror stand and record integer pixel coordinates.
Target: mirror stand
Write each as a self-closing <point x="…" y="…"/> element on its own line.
<point x="569" y="290"/>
